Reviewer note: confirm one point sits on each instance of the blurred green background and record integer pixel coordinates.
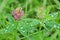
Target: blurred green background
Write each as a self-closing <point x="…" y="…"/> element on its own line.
<point x="40" y="22"/>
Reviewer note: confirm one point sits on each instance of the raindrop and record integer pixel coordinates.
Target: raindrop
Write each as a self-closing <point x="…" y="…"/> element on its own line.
<point x="47" y="22"/>
<point x="26" y="23"/>
<point x="31" y="31"/>
<point x="55" y="26"/>
<point x="21" y="27"/>
<point x="56" y="13"/>
<point x="58" y="27"/>
<point x="12" y="24"/>
<point x="31" y="25"/>
<point x="52" y="16"/>
<point x="19" y="23"/>
<point x="23" y="31"/>
<point x="7" y="27"/>
<point x="40" y="22"/>
<point x="6" y="30"/>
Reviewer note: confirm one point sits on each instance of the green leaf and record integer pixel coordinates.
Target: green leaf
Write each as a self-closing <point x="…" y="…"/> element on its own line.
<point x="52" y="24"/>
<point x="48" y="9"/>
<point x="28" y="25"/>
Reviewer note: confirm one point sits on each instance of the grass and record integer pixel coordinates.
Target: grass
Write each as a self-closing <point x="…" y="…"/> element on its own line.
<point x="40" y="22"/>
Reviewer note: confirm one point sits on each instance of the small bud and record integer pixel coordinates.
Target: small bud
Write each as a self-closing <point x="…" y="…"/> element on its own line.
<point x="40" y="12"/>
<point x="18" y="13"/>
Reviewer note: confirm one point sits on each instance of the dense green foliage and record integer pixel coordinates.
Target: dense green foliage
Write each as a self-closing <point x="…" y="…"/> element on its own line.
<point x="40" y="22"/>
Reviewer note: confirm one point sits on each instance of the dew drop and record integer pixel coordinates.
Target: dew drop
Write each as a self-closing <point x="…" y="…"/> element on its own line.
<point x="7" y="27"/>
<point x="52" y="16"/>
<point x="40" y="22"/>
<point x="21" y="27"/>
<point x="26" y="23"/>
<point x="12" y="24"/>
<point x="6" y="30"/>
<point x="58" y="27"/>
<point x="31" y="25"/>
<point x="23" y="31"/>
<point x="55" y="26"/>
